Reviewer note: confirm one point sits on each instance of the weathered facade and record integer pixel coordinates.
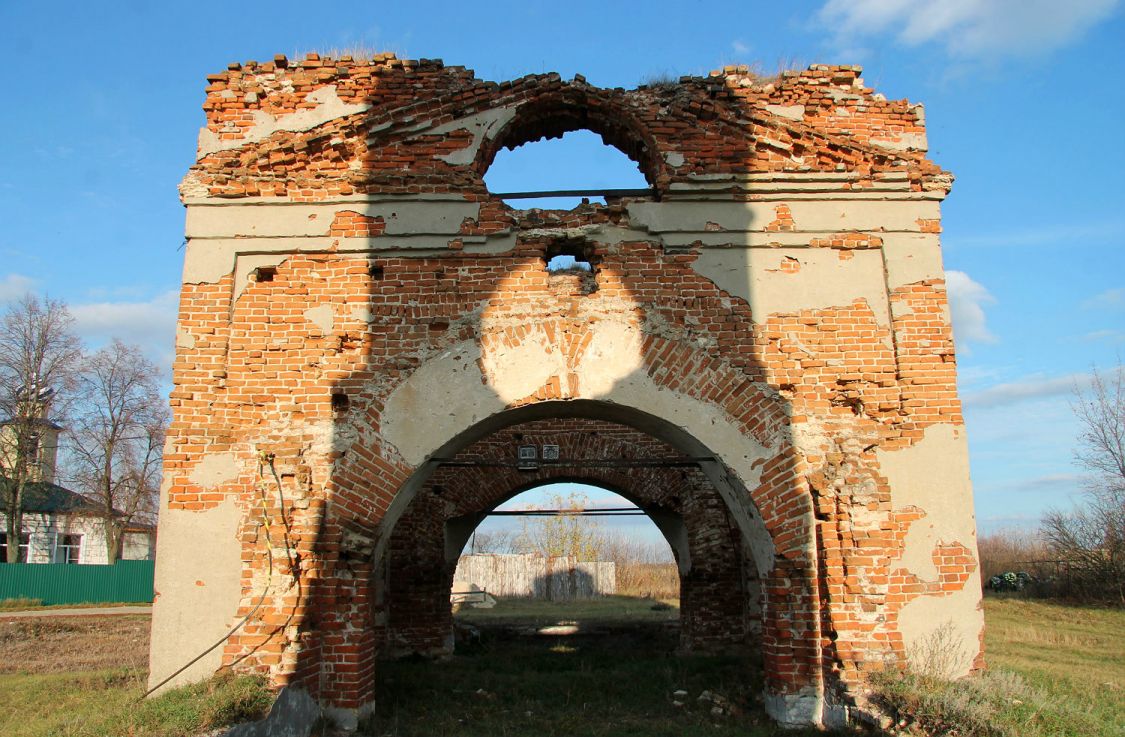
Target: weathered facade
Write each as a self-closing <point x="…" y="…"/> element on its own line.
<point x="765" y="339"/>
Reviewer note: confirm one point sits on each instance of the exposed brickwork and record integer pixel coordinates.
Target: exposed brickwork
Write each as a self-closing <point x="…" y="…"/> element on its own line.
<point x="779" y="308"/>
<point x="719" y="609"/>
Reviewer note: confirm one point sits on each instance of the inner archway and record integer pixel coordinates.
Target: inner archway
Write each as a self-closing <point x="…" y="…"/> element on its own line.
<point x="569" y="560"/>
<point x="720" y="594"/>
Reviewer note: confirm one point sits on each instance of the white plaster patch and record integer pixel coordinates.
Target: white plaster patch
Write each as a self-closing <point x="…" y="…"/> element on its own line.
<point x="281" y="220"/>
<point x="614" y="352"/>
<point x="943" y="632"/>
<point x="329" y="106"/>
<point x="215" y="469"/>
<point x="811" y="215"/>
<point x="673" y="158"/>
<point x="362" y="313"/>
<point x="438" y="401"/>
<point x="184" y="339"/>
<point x="933" y="476"/>
<point x="198" y="570"/>
<point x="515" y="372"/>
<point x="903" y="142"/>
<point x="823" y="280"/>
<point x="207" y="263"/>
<point x="321" y="316"/>
<point x="486" y="123"/>
<point x="792" y="112"/>
<point x="911" y="258"/>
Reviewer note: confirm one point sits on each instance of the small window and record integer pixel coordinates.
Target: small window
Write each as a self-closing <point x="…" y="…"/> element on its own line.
<point x="25" y="547"/>
<point x="31" y="449"/>
<point x="68" y="549"/>
<point x="569" y="257"/>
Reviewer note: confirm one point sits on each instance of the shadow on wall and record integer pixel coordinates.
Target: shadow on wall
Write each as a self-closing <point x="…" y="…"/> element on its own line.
<point x="454" y="342"/>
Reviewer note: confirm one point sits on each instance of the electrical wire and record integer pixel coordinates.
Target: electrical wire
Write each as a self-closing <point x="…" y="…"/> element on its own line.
<point x="264" y="459"/>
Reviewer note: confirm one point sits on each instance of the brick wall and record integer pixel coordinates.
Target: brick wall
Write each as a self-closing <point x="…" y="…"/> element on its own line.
<point x="356" y="306"/>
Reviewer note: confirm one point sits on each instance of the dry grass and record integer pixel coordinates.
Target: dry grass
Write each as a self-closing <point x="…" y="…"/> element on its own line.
<point x="1075" y="654"/>
<point x="1053" y="671"/>
<point x="649" y="580"/>
<point x="42" y="645"/>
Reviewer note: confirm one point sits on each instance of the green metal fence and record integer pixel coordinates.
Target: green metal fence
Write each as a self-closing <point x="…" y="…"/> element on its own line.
<point x="60" y="583"/>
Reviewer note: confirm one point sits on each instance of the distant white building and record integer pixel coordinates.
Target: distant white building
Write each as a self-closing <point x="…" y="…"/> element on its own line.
<point x="60" y="526"/>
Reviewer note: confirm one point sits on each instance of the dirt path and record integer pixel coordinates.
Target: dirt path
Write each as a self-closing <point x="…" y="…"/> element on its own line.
<point x="78" y="612"/>
<point x="66" y="644"/>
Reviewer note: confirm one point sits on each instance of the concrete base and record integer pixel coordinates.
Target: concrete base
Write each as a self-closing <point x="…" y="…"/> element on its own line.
<point x="805" y="709"/>
<point x="348" y="719"/>
<point x="293" y="714"/>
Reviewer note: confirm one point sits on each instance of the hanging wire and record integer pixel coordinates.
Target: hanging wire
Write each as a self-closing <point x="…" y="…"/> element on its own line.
<point x="265" y="459"/>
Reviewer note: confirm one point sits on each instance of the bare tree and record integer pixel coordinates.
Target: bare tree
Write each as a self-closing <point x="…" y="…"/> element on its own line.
<point x="1091" y="537"/>
<point x="38" y="355"/>
<point x="117" y="438"/>
<point x="493" y="542"/>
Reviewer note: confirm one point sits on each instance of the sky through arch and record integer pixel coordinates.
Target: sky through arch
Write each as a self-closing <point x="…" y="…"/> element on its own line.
<point x="577" y="160"/>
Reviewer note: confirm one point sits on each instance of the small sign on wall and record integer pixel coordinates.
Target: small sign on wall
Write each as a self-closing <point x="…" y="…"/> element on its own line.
<point x="528" y="458"/>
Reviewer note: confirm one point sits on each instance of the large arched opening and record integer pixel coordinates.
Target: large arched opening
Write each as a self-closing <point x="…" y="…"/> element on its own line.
<point x="719" y="581"/>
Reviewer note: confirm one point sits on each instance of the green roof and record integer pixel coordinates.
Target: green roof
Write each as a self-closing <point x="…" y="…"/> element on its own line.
<point x="40" y="496"/>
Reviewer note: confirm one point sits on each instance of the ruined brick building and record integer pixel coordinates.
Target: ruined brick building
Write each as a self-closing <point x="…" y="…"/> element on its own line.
<point x="760" y="357"/>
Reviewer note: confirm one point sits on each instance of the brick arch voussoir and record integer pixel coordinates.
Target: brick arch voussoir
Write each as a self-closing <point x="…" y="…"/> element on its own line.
<point x="574" y="106"/>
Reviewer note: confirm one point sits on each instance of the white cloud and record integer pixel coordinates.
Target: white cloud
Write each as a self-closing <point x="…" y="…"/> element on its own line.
<point x="969" y="28"/>
<point x="739" y="47"/>
<point x="1034" y="387"/>
<point x="1024" y="389"/>
<point x="150" y="324"/>
<point x="14" y="286"/>
<point x="1108" y="300"/>
<point x="966" y="307"/>
<point x="1109" y="336"/>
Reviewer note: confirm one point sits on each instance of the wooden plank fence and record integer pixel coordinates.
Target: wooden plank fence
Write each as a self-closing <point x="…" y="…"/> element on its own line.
<point x="537" y="576"/>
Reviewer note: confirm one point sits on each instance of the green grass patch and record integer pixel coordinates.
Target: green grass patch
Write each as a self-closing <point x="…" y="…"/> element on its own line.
<point x="603" y="610"/>
<point x="1054" y="671"/>
<point x="100" y="703"/>
<point x="15" y="605"/>
<point x="616" y="676"/>
<point x="20" y="603"/>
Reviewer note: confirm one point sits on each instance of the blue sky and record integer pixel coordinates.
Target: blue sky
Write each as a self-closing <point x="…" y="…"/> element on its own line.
<point x="1024" y="105"/>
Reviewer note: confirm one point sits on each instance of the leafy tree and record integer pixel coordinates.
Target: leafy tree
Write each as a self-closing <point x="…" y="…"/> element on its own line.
<point x="39" y="353"/>
<point x="567" y="534"/>
<point x="1091" y="537"/>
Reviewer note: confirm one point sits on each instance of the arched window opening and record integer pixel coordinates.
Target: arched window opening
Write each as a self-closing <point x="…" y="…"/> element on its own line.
<point x="576" y="161"/>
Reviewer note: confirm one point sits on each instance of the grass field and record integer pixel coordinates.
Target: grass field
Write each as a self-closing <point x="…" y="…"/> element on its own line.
<point x="84" y="676"/>
<point x="602" y="668"/>
<point x="1074" y="655"/>
<point x="1053" y="671"/>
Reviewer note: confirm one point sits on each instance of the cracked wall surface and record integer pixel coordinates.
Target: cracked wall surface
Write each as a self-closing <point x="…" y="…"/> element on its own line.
<point x="357" y="306"/>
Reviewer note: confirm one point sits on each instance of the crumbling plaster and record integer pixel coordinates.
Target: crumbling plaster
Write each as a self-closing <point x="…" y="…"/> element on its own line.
<point x="197" y="593"/>
<point x="775" y="216"/>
